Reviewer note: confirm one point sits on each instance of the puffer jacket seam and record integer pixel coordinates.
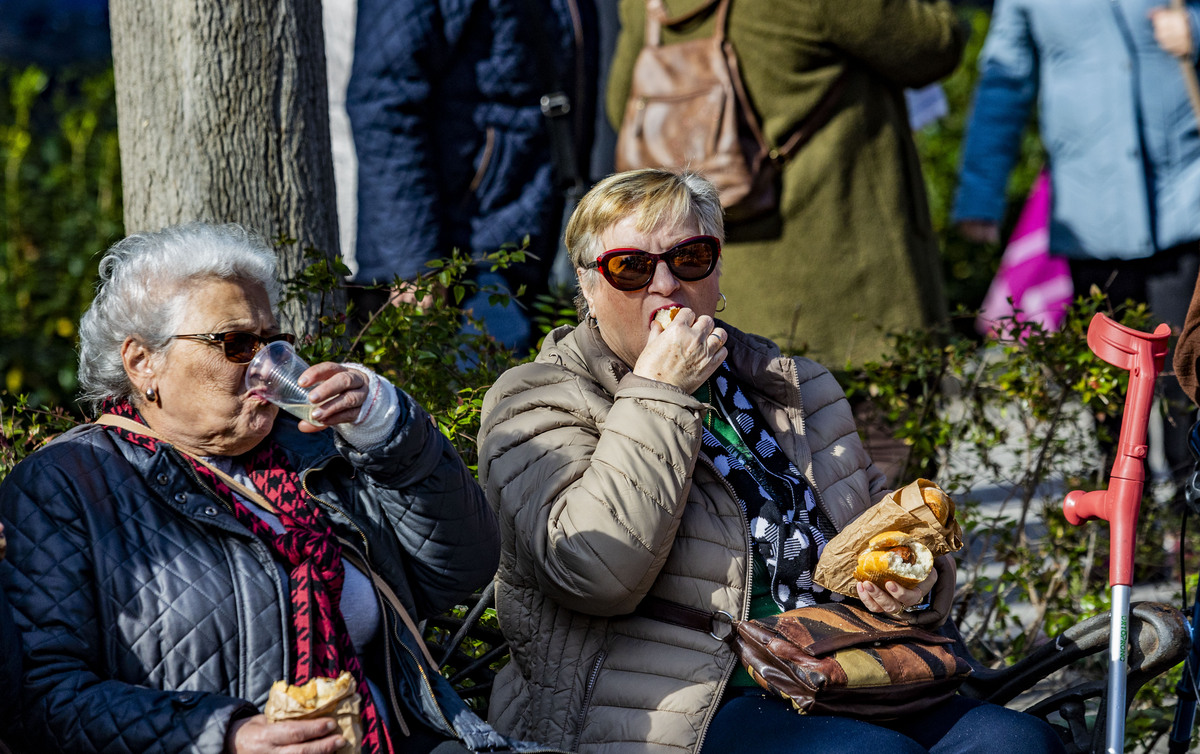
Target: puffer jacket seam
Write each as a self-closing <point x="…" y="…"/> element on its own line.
<point x="620" y="520"/>
<point x="544" y="698"/>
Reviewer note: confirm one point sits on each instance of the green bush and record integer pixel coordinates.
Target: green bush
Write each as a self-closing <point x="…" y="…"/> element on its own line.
<point x="1021" y="414"/>
<point x="426" y="349"/>
<point x="62" y="205"/>
<point x="943" y="392"/>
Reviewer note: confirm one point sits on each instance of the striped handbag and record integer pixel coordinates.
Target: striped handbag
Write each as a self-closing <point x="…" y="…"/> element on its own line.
<point x="834" y="659"/>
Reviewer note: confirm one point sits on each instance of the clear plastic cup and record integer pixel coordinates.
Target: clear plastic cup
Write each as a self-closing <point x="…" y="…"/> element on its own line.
<point x="272" y="375"/>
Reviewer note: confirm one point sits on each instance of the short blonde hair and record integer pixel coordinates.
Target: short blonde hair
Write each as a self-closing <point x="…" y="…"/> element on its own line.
<point x="656" y="197"/>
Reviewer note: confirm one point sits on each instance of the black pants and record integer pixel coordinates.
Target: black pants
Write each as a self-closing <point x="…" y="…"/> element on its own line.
<point x="1165" y="283"/>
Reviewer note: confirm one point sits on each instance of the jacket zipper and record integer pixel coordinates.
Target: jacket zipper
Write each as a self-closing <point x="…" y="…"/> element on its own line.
<point x="429" y="688"/>
<point x="322" y="502"/>
<point x="387" y="633"/>
<point x="745" y="598"/>
<point x="365" y="558"/>
<point x="593" y="676"/>
<point x="794" y="389"/>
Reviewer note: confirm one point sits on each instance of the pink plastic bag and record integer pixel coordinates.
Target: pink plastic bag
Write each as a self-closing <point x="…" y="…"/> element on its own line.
<point x="1038" y="284"/>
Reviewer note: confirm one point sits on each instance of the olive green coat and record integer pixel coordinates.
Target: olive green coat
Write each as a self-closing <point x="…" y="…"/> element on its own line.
<point x="852" y="254"/>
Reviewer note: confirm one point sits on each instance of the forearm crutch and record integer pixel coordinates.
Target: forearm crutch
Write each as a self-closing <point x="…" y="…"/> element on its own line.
<point x="1142" y="354"/>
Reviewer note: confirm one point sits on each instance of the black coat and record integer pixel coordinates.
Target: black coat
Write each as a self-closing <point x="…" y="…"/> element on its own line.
<point x="151" y="618"/>
<point x="10" y="664"/>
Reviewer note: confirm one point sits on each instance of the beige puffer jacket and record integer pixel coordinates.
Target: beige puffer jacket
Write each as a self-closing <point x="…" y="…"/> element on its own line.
<point x="604" y="497"/>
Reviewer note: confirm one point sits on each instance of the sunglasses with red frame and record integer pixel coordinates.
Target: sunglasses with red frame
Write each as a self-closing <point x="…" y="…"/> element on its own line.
<point x="689" y="260"/>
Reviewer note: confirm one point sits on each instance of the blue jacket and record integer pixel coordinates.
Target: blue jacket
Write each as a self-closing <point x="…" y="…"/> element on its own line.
<point x="453" y="149"/>
<point x="1115" y="119"/>
<point x="10" y="664"/>
<point x="152" y="618"/>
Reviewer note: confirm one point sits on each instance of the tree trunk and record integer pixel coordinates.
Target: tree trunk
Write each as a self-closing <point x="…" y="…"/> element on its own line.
<point x="222" y="115"/>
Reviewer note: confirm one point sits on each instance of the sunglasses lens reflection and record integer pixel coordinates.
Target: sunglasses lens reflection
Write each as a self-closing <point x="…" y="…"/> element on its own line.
<point x="693" y="261"/>
<point x="630" y="271"/>
<point x="240" y="347"/>
<point x="690" y="261"/>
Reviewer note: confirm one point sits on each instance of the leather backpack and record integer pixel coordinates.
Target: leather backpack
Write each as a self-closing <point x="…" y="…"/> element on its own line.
<point x="688" y="108"/>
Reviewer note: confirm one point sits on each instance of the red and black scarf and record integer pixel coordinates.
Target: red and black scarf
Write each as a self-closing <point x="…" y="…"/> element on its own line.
<point x="308" y="548"/>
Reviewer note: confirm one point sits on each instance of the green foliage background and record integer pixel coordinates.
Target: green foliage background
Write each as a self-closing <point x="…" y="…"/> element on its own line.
<point x="938" y="390"/>
<point x="61" y="206"/>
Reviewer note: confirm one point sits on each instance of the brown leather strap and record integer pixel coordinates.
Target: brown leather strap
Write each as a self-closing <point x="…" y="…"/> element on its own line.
<point x="817" y="118"/>
<point x="676" y="614"/>
<point x="656" y="19"/>
<point x="683" y="18"/>
<point x="655" y="13"/>
<point x="349" y="552"/>
<point x="113" y="420"/>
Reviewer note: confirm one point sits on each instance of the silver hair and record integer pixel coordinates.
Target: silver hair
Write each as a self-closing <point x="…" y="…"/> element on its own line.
<point x="145" y="280"/>
<point x="655" y="196"/>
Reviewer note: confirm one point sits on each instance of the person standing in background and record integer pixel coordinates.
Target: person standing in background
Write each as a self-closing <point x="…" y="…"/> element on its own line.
<point x="453" y="139"/>
<point x="338" y="23"/>
<point x="1123" y="148"/>
<point x="851" y="253"/>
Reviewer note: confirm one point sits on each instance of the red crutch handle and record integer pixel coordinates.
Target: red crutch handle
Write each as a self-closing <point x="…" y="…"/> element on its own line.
<point x="1142" y="354"/>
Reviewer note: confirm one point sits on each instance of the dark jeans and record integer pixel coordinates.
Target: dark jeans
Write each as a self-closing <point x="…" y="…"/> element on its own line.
<point x="1164" y="282"/>
<point x="750" y="721"/>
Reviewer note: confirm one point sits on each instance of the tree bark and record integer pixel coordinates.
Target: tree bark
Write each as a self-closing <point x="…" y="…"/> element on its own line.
<point x="222" y="115"/>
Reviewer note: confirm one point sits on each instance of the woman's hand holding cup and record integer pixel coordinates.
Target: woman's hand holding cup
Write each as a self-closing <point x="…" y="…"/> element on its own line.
<point x="339" y="394"/>
<point x="685" y="353"/>
<point x="319" y="396"/>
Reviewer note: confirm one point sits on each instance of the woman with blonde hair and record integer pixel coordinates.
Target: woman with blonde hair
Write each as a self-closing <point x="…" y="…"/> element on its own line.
<point x="654" y="452"/>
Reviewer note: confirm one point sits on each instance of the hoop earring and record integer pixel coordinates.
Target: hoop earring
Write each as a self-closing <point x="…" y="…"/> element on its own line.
<point x="724" y="303"/>
<point x="151" y="395"/>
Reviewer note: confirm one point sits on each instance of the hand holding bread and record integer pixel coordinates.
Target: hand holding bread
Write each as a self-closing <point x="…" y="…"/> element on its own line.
<point x="897" y="541"/>
<point x="894" y="556"/>
<point x="332" y="698"/>
<point x="682" y="348"/>
<point x="898" y="556"/>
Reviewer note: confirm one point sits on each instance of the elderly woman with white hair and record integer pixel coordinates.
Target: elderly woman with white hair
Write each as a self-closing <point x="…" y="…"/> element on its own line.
<point x="653" y="454"/>
<point x="168" y="563"/>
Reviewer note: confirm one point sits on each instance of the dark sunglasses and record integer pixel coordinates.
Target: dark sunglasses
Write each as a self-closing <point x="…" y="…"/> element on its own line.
<point x="632" y="269"/>
<point x="239" y="346"/>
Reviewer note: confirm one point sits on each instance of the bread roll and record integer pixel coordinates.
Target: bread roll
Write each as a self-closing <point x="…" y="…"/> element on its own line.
<point x="321" y="697"/>
<point x="894" y="556"/>
<point x="939" y="502"/>
<point x="664" y="316"/>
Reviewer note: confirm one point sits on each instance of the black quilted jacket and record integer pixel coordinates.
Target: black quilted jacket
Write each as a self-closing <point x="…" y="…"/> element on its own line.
<point x="10" y="664"/>
<point x="151" y="617"/>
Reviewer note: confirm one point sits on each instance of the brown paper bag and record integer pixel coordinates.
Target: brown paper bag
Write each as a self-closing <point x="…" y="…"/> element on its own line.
<point x="321" y="697"/>
<point x="900" y="510"/>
